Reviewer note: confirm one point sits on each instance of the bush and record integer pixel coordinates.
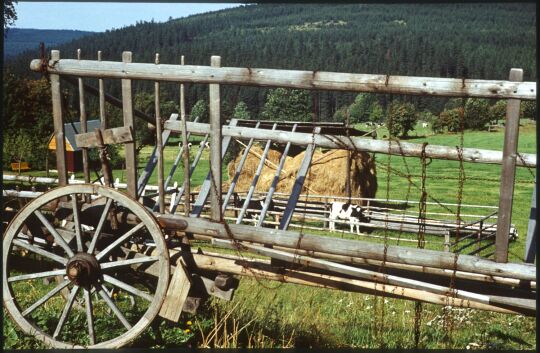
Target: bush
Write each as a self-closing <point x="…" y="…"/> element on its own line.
<point x="476" y="113"/>
<point x="401" y="119"/>
<point x="449" y="120"/>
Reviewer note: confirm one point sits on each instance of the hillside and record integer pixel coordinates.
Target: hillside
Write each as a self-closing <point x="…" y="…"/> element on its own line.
<point x="18" y="40"/>
<point x="443" y="40"/>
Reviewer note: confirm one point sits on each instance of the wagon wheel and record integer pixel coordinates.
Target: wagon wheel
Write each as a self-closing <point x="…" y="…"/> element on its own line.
<point x="90" y="261"/>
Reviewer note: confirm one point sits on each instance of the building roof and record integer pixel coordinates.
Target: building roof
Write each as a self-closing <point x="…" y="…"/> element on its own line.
<point x="72" y="129"/>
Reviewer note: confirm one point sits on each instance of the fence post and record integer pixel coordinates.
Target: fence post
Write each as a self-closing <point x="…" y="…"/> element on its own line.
<point x="59" y="133"/>
<point x="215" y="147"/>
<point x="82" y="108"/>
<point x="102" y="116"/>
<point x="185" y="140"/>
<point x="127" y="107"/>
<point x="508" y="172"/>
<point x="159" y="146"/>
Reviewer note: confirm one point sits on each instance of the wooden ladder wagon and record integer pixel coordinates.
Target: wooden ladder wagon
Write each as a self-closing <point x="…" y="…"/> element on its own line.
<point x="92" y="244"/>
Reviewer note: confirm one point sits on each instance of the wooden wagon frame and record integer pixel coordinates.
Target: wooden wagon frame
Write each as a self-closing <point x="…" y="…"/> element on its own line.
<point x="89" y="258"/>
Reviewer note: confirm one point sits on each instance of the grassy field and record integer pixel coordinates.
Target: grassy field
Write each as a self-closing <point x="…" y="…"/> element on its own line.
<point x="267" y="314"/>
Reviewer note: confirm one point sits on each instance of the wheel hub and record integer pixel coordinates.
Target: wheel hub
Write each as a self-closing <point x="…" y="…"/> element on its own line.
<point x="83" y="269"/>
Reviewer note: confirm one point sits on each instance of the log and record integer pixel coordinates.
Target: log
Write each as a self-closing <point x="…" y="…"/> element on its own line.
<point x="353" y="248"/>
<point x="514" y="303"/>
<point x="313" y="80"/>
<point x="409" y="149"/>
<point x="262" y="269"/>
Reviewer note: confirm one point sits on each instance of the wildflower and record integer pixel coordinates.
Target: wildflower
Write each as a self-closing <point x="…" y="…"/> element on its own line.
<point x="189" y="323"/>
<point x="187" y="330"/>
<point x="114" y="295"/>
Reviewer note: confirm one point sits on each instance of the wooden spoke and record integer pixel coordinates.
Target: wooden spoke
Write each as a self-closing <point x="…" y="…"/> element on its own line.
<point x="119" y="241"/>
<point x="93" y="243"/>
<point x="40" y="251"/>
<point x="37" y="275"/>
<point x="89" y="317"/>
<point x="57" y="237"/>
<point x="120" y="263"/>
<point x="114" y="308"/>
<point x="128" y="288"/>
<point x="66" y="310"/>
<point x="46" y="297"/>
<point x="77" y="222"/>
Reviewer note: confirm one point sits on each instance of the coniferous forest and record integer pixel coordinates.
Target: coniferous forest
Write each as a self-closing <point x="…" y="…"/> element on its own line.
<point x="441" y="40"/>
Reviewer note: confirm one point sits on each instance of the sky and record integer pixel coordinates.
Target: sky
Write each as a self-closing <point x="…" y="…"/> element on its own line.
<point x="98" y="17"/>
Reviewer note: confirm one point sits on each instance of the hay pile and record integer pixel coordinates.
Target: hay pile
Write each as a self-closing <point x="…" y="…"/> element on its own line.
<point x="327" y="175"/>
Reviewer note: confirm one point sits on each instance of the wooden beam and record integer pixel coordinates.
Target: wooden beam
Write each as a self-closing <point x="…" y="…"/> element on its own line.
<point x="130" y="150"/>
<point x="298" y="183"/>
<point x="159" y="148"/>
<point x="185" y="146"/>
<point x="353" y="248"/>
<point x="205" y="187"/>
<point x="84" y="127"/>
<point x="275" y="181"/>
<point x="238" y="171"/>
<point x="110" y="136"/>
<point x="508" y="173"/>
<point x="320" y="80"/>
<point x="59" y="132"/>
<point x="215" y="145"/>
<point x="255" y="180"/>
<point x="409" y="149"/>
<point x="152" y="161"/>
<point x="101" y="95"/>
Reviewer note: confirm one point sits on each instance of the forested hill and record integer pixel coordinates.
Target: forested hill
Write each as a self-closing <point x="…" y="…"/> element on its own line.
<point x="18" y="40"/>
<point x="442" y="40"/>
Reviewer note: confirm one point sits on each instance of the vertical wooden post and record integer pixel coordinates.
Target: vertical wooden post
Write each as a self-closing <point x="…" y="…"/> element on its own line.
<point x="508" y="173"/>
<point x="84" y="127"/>
<point x="58" y="123"/>
<point x="348" y="166"/>
<point x="102" y="116"/>
<point x="159" y="147"/>
<point x="185" y="141"/>
<point x="215" y="147"/>
<point x="130" y="152"/>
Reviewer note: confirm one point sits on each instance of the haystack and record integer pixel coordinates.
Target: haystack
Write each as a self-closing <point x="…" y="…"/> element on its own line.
<point x="327" y="174"/>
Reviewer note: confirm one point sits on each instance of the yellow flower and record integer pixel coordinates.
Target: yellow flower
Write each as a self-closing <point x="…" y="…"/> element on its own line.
<point x="189" y="323"/>
<point x="114" y="295"/>
<point x="187" y="330"/>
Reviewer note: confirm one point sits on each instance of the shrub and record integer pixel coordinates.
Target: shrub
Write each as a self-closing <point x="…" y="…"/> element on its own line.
<point x="401" y="119"/>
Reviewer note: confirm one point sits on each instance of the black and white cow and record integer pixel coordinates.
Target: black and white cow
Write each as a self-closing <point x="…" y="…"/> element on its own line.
<point x="346" y="211"/>
<point x="254" y="207"/>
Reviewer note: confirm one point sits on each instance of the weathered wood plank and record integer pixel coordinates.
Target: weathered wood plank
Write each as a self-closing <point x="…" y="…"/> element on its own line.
<point x="59" y="132"/>
<point x="205" y="187"/>
<point x="473" y="155"/>
<point x="185" y="145"/>
<point x="215" y="145"/>
<point x="110" y="136"/>
<point x="130" y="150"/>
<point x="387" y="84"/>
<point x="159" y="146"/>
<point x="101" y="95"/>
<point x="298" y="183"/>
<point x="176" y="294"/>
<point x="508" y="173"/>
<point x="353" y="248"/>
<point x="84" y="127"/>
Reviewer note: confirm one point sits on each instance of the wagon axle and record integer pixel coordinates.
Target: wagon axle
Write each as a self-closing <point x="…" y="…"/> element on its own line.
<point x="83" y="269"/>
